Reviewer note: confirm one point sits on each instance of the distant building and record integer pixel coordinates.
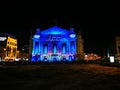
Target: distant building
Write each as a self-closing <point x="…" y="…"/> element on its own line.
<point x="118" y="45"/>
<point x="24" y="52"/>
<point x="8" y="47"/>
<point x="30" y="46"/>
<point x="56" y="44"/>
<point x="92" y="57"/>
<point x="114" y="48"/>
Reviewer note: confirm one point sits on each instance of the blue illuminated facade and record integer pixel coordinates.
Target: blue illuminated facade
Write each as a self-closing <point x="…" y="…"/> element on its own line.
<point x="54" y="44"/>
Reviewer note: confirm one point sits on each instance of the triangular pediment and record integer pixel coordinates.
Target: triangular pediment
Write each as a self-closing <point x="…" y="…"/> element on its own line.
<point x="55" y="30"/>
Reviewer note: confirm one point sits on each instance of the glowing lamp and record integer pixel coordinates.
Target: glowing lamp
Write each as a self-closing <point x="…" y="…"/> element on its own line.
<point x="112" y="60"/>
<point x="72" y="35"/>
<point x="36" y="36"/>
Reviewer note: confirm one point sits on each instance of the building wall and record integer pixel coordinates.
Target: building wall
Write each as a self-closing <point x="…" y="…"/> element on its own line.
<point x="9" y="48"/>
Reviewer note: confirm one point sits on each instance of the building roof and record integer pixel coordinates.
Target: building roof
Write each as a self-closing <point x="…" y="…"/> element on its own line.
<point x="6" y="35"/>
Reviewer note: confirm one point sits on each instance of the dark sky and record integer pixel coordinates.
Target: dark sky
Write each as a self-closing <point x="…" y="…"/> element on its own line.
<point x="97" y="21"/>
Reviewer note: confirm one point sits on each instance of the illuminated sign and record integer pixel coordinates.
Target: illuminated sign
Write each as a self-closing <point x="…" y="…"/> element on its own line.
<point x="36" y="36"/>
<point x="3" y="38"/>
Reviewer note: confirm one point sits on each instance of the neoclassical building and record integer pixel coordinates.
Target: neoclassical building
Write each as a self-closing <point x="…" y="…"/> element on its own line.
<point x="56" y="44"/>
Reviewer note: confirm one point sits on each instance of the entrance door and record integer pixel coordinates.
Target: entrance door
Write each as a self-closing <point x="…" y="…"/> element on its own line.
<point x="55" y="58"/>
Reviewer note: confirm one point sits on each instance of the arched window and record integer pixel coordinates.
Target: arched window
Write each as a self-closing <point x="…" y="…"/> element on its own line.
<point x="63" y="48"/>
<point x="8" y="48"/>
<point x="14" y="51"/>
<point x="45" y="48"/>
<point x="54" y="48"/>
<point x="36" y="47"/>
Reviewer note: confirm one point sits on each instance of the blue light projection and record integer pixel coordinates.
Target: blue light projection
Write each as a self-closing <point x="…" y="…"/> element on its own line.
<point x="54" y="44"/>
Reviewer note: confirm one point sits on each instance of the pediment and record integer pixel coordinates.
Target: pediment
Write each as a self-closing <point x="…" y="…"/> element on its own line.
<point x="55" y="30"/>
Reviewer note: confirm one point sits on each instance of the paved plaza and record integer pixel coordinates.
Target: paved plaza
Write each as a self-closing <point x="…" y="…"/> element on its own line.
<point x="59" y="77"/>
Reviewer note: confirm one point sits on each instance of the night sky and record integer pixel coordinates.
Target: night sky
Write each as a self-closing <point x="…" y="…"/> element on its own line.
<point x="98" y="21"/>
